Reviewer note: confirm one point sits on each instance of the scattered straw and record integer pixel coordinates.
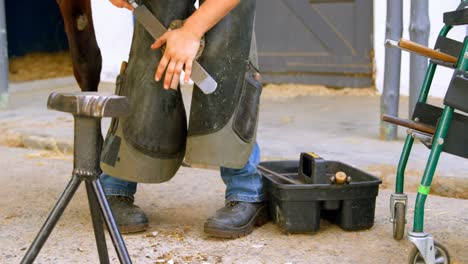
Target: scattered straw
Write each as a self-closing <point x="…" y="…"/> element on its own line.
<point x="57" y="155"/>
<point x="35" y="66"/>
<point x="280" y="91"/>
<point x="11" y="139"/>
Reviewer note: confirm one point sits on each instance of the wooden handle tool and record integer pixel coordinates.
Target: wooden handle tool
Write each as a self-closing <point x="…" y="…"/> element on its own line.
<point x="414" y="47"/>
<point x="340" y="177"/>
<point x="410" y="124"/>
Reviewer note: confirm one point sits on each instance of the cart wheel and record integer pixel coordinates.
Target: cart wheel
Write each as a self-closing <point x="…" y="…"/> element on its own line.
<point x="441" y="255"/>
<point x="399" y="221"/>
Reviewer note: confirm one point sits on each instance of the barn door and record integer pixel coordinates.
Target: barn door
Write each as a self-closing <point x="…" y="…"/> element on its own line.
<point x="325" y="42"/>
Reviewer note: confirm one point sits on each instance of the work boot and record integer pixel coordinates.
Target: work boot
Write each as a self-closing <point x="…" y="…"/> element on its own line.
<point x="236" y="219"/>
<point x="129" y="217"/>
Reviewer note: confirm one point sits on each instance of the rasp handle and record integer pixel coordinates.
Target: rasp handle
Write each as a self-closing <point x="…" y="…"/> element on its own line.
<point x="414" y="47"/>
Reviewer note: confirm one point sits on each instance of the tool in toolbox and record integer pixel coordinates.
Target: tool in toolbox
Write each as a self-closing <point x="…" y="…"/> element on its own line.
<point x="300" y="193"/>
<point x="340" y="178"/>
<point x="313" y="171"/>
<point x="156" y="29"/>
<point x="439" y="129"/>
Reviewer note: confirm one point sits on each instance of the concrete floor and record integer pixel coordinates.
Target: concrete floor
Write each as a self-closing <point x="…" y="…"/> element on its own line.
<point x="177" y="211"/>
<point x="335" y="125"/>
<point x="341" y="127"/>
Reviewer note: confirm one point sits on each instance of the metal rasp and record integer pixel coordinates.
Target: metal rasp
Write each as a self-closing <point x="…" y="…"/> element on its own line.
<point x="156" y="29"/>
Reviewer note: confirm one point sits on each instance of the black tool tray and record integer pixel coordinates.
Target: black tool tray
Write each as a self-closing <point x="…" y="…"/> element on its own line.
<point x="297" y="208"/>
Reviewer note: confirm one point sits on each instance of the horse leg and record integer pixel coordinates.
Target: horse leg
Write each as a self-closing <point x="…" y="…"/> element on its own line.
<point x="84" y="49"/>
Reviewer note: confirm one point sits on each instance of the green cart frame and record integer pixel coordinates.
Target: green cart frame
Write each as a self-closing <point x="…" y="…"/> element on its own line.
<point x="426" y="250"/>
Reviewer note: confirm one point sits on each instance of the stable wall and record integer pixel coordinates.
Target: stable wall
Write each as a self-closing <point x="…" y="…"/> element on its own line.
<point x="114" y="29"/>
<point x="436" y="10"/>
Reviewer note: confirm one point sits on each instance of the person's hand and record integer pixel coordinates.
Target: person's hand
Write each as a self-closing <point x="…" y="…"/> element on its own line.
<point x="181" y="49"/>
<point x="122" y="4"/>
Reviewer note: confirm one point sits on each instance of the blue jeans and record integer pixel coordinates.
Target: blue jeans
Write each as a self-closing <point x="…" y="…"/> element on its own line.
<point x="244" y="185"/>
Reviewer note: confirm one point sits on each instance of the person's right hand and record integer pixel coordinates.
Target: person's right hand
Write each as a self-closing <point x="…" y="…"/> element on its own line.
<point x="122" y="4"/>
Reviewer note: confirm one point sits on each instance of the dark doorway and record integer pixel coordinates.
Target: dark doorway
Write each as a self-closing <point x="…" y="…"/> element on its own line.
<point x="34" y="26"/>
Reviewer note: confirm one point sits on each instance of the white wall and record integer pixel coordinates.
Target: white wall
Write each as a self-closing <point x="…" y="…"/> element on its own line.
<point x="436" y="10"/>
<point x="114" y="29"/>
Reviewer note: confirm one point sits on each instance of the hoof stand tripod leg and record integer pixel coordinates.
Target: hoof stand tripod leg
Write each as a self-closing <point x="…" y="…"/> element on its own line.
<point x="87" y="110"/>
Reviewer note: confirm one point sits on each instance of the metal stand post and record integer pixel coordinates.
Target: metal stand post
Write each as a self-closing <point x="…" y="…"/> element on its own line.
<point x="419" y="33"/>
<point x="87" y="110"/>
<point x="4" y="96"/>
<point x="391" y="91"/>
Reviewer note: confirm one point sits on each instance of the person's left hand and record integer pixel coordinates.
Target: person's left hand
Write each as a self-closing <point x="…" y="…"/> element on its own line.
<point x="181" y="49"/>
